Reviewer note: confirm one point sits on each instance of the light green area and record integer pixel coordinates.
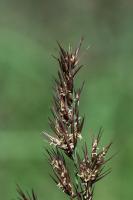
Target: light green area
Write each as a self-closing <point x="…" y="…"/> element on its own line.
<point x="28" y="33"/>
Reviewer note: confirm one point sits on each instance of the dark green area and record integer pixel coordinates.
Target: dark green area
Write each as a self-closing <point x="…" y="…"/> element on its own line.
<point x="28" y="33"/>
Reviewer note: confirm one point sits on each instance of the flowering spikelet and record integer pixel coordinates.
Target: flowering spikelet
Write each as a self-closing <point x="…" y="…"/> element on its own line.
<point x="66" y="123"/>
<point x="90" y="169"/>
<point x="61" y="172"/>
<point x="67" y="126"/>
<point x="23" y="196"/>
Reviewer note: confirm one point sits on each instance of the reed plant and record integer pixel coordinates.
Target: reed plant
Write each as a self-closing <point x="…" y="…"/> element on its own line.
<point x="66" y="133"/>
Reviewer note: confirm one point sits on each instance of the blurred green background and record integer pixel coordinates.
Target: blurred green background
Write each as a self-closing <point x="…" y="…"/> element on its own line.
<point x="28" y="33"/>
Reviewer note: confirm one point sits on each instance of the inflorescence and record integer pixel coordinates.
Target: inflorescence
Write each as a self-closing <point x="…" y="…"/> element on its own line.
<point x="66" y="125"/>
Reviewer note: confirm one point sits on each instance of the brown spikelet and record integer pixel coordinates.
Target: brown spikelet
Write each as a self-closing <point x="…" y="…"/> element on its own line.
<point x="61" y="172"/>
<point x="66" y="123"/>
<point x="91" y="169"/>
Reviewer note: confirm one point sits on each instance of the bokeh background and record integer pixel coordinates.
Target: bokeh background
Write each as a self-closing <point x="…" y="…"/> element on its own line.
<point x="29" y="30"/>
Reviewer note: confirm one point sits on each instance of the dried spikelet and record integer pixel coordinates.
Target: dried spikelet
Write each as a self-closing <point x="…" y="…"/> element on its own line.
<point x="91" y="169"/>
<point x="66" y="123"/>
<point x="61" y="172"/>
